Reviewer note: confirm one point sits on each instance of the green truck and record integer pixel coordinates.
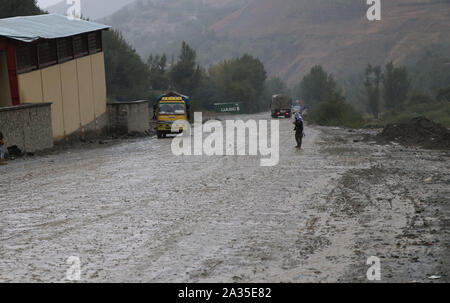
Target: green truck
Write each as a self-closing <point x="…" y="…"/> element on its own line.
<point x="281" y="106"/>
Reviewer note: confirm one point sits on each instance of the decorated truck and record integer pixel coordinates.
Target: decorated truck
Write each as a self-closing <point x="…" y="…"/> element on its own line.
<point x="169" y="108"/>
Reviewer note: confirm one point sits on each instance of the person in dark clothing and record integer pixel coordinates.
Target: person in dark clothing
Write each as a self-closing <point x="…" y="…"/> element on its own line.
<point x="299" y="130"/>
<point x="2" y="150"/>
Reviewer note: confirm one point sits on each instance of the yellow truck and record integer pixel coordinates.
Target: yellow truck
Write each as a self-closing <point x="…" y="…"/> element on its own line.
<point x="169" y="108"/>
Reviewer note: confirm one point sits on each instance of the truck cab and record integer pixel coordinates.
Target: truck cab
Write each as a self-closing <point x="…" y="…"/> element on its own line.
<point x="168" y="109"/>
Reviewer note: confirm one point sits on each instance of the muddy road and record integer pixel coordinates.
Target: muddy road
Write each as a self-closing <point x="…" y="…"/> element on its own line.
<point x="133" y="212"/>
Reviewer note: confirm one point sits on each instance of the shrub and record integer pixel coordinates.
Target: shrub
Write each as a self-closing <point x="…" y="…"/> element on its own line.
<point x="336" y="111"/>
<point x="420" y="98"/>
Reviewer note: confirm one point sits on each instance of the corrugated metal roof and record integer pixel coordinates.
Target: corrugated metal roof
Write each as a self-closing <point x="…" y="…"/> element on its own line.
<point x="49" y="26"/>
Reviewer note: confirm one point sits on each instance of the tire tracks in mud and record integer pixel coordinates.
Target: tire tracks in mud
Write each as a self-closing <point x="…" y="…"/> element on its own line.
<point x="381" y="206"/>
<point x="144" y="215"/>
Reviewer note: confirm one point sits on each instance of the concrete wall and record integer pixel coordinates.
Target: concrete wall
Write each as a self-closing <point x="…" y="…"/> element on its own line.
<point x="91" y="131"/>
<point x="76" y="89"/>
<point x="129" y="117"/>
<point x="28" y="126"/>
<point x="5" y="92"/>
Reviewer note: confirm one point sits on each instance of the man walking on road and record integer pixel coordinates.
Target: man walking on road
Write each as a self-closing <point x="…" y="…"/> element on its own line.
<point x="299" y="130"/>
<point x="2" y="150"/>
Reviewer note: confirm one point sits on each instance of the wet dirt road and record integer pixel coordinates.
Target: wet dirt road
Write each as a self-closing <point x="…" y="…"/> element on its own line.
<point x="133" y="212"/>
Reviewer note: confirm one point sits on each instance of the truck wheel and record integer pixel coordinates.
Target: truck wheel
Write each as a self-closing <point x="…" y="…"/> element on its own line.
<point x="159" y="135"/>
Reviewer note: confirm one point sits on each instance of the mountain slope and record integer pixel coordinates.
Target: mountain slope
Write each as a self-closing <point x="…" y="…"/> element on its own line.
<point x="159" y="26"/>
<point x="289" y="36"/>
<point x="338" y="35"/>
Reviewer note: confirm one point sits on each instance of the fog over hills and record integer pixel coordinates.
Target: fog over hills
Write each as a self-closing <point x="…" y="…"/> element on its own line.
<point x="289" y="36"/>
<point x="93" y="9"/>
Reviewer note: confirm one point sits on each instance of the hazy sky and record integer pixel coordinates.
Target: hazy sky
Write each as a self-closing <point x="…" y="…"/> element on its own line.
<point x="45" y="3"/>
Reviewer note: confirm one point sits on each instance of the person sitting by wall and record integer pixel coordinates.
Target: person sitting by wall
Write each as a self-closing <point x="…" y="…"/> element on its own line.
<point x="2" y="150"/>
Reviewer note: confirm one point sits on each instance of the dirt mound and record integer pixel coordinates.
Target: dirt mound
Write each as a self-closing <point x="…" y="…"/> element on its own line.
<point x="418" y="131"/>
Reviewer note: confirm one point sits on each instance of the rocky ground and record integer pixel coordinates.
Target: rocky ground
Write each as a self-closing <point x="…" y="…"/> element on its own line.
<point x="133" y="212"/>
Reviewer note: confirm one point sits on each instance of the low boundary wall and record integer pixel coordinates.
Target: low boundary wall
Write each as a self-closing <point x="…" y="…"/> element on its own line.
<point x="28" y="126"/>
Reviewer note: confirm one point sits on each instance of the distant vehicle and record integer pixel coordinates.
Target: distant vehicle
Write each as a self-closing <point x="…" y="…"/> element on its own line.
<point x="281" y="106"/>
<point x="169" y="108"/>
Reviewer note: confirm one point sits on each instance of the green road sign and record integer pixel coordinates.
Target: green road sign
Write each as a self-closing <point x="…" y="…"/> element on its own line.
<point x="228" y="107"/>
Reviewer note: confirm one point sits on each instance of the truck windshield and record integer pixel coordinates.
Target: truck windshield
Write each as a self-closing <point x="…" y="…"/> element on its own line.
<point x="171" y="109"/>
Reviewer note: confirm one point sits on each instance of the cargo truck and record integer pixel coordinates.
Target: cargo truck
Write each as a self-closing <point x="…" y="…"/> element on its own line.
<point x="169" y="108"/>
<point x="281" y="106"/>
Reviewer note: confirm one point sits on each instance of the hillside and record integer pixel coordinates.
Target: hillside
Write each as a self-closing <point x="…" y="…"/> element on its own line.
<point x="93" y="9"/>
<point x="290" y="36"/>
<point x="159" y="26"/>
<point x="338" y="35"/>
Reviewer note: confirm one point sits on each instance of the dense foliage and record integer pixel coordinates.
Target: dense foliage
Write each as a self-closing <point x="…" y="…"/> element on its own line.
<point x="327" y="104"/>
<point x="241" y="80"/>
<point x="185" y="74"/>
<point x="336" y="111"/>
<point x="14" y="8"/>
<point x="372" y="83"/>
<point x="127" y="77"/>
<point x="403" y="97"/>
<point x="396" y="85"/>
<point x="316" y="86"/>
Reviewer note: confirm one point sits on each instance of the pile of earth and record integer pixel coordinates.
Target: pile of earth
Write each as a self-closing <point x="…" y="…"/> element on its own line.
<point x="418" y="131"/>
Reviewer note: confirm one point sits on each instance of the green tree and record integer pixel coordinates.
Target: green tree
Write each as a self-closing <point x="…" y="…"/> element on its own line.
<point x="372" y="84"/>
<point x="276" y="86"/>
<point x="241" y="80"/>
<point x="206" y="93"/>
<point x="127" y="77"/>
<point x="420" y="98"/>
<point x="316" y="86"/>
<point x="432" y="69"/>
<point x="328" y="105"/>
<point x="272" y="87"/>
<point x="396" y="86"/>
<point x="14" y="8"/>
<point x="158" y="74"/>
<point x="185" y="74"/>
<point x="443" y="94"/>
<point x="336" y="111"/>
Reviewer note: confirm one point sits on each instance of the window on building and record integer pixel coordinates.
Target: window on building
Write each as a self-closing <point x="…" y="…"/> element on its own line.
<point x="94" y="42"/>
<point x="80" y="46"/>
<point x="65" y="49"/>
<point x="26" y="58"/>
<point x="33" y="56"/>
<point x="47" y="53"/>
